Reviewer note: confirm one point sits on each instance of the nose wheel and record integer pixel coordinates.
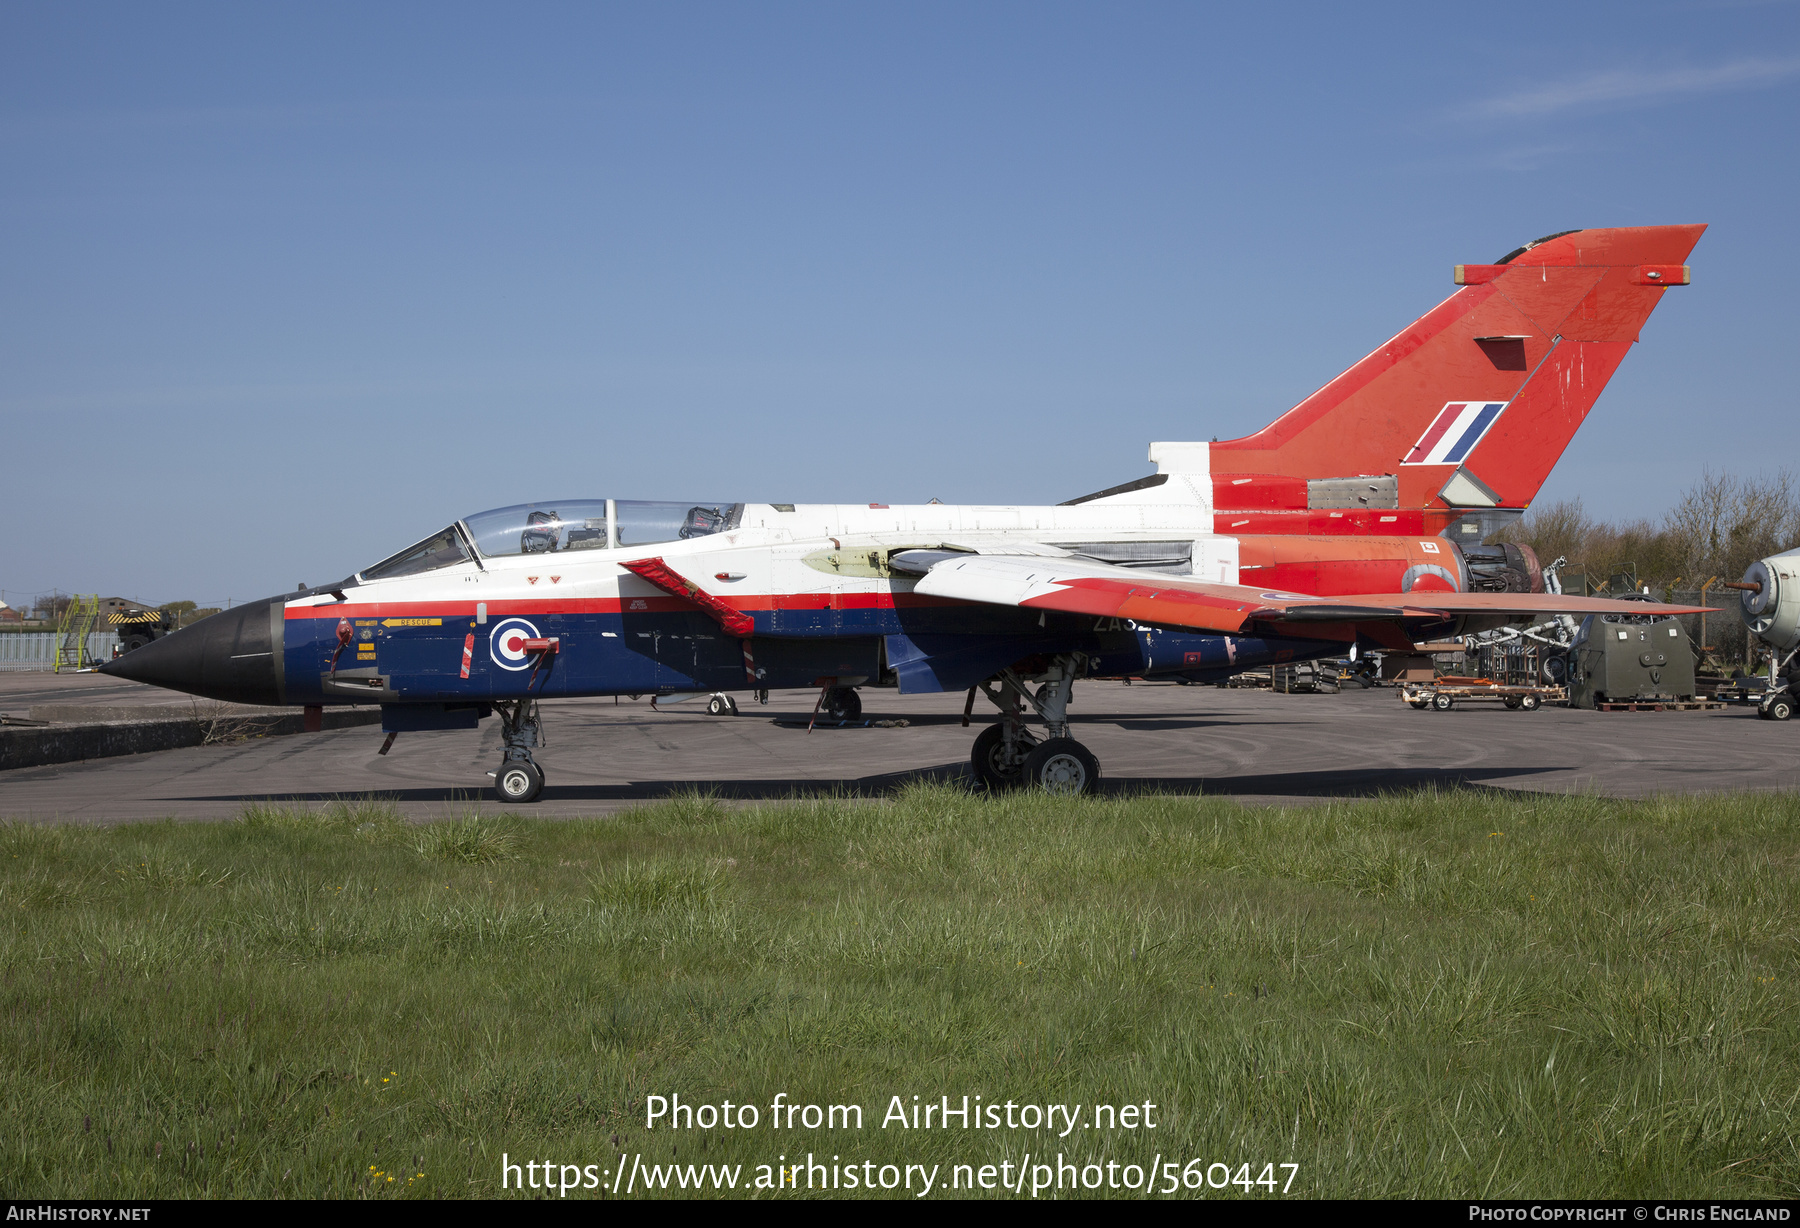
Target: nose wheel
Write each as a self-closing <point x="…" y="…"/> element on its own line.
<point x="1008" y="756"/>
<point x="519" y="782"/>
<point x="519" y="779"/>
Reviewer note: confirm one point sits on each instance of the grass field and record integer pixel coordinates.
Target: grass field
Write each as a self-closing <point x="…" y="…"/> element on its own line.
<point x="1454" y="994"/>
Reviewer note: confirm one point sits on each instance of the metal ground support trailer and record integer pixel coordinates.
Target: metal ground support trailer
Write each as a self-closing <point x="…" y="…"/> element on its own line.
<point x="1445" y="693"/>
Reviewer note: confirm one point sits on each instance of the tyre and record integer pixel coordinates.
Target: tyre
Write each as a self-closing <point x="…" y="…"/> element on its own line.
<point x="988" y="758"/>
<point x="1063" y="766"/>
<point x="1442" y="703"/>
<point x="718" y="705"/>
<point x="1781" y="708"/>
<point x="1530" y="703"/>
<point x="1512" y="701"/>
<point x="1420" y="704"/>
<point x="842" y="703"/>
<point x="518" y="783"/>
<point x="133" y="643"/>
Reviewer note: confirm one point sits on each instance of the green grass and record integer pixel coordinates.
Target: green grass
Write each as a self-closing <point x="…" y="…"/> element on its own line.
<point x="1440" y="994"/>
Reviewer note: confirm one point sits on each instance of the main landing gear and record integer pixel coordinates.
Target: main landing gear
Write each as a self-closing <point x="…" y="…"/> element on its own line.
<point x="519" y="779"/>
<point x="1008" y="755"/>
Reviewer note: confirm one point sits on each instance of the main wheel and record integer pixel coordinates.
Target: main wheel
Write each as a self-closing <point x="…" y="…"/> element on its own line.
<point x="718" y="705"/>
<point x="1530" y="703"/>
<point x="519" y="782"/>
<point x="1780" y="708"/>
<point x="989" y="760"/>
<point x="1062" y="765"/>
<point x="1442" y="703"/>
<point x="843" y="704"/>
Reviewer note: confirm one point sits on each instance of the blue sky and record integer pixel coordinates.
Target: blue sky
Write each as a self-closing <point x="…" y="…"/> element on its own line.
<point x="283" y="289"/>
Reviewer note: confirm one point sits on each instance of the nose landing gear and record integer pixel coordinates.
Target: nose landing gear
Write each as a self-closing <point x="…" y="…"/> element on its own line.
<point x="519" y="779"/>
<point x="1007" y="755"/>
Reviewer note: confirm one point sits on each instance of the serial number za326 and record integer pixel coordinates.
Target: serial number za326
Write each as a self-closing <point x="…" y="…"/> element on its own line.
<point x="1198" y="1174"/>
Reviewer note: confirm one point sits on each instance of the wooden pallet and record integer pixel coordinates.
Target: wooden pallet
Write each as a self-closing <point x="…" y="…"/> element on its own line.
<point x="1662" y="705"/>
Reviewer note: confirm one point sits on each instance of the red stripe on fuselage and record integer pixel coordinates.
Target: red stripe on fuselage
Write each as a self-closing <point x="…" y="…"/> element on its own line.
<point x="614" y="605"/>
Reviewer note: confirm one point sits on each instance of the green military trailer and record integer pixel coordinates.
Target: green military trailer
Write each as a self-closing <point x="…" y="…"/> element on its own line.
<point x="1630" y="658"/>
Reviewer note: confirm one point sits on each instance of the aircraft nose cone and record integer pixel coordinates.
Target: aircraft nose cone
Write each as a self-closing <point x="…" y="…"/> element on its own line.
<point x="232" y="656"/>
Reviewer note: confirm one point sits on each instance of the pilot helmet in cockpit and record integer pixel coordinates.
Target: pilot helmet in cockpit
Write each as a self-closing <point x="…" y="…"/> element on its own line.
<point x="536" y="539"/>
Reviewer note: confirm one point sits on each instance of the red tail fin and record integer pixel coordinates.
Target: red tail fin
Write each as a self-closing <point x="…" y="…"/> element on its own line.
<point x="1468" y="409"/>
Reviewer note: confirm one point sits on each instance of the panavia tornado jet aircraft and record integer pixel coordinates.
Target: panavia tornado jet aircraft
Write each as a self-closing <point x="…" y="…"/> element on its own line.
<point x="1358" y="517"/>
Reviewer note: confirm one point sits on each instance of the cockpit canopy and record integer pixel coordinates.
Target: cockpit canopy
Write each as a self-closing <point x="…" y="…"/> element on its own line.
<point x="540" y="528"/>
<point x="569" y="524"/>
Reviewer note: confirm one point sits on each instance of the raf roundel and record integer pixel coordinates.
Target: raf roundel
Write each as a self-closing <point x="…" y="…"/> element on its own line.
<point x="506" y="643"/>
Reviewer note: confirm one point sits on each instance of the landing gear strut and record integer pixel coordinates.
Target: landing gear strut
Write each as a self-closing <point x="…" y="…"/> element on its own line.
<point x="519" y="779"/>
<point x="1007" y="755"/>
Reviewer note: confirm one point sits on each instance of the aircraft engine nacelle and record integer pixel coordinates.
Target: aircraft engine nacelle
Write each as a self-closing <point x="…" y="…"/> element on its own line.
<point x="1769" y="600"/>
<point x="1331" y="566"/>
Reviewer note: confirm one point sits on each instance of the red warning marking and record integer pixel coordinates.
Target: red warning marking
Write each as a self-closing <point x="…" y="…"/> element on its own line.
<point x="468" y="652"/>
<point x="673" y="582"/>
<point x="555" y="579"/>
<point x="531" y="579"/>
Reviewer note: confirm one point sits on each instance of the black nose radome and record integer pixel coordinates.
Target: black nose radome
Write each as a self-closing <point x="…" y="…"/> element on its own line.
<point x="233" y="656"/>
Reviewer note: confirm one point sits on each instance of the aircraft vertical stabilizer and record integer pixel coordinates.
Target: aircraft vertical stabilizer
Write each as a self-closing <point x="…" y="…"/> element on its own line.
<point x="1462" y="415"/>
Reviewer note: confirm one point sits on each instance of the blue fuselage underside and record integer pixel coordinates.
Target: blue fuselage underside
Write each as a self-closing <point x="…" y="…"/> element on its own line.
<point x="612" y="652"/>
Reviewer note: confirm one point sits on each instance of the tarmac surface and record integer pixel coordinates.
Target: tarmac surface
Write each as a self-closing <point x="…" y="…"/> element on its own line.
<point x="602" y="756"/>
